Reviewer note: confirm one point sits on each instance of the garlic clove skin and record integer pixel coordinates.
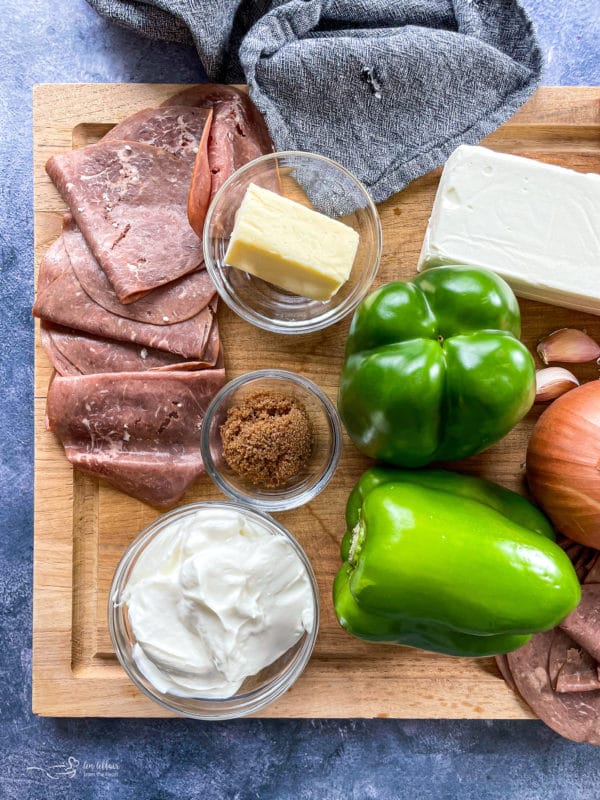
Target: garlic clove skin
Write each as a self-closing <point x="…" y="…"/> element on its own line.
<point x="552" y="382"/>
<point x="569" y="346"/>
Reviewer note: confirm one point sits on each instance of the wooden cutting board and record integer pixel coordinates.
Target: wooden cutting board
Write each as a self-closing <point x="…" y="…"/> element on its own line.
<point x="82" y="525"/>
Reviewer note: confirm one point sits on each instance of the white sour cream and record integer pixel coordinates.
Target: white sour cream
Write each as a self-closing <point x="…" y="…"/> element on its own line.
<point x="214" y="599"/>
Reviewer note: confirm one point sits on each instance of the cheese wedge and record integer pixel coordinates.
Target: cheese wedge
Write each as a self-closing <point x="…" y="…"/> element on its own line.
<point x="535" y="224"/>
<point x="290" y="245"/>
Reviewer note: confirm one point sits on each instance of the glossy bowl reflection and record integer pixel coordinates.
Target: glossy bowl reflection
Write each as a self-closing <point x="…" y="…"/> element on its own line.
<point x="257" y="691"/>
<point x="326" y="432"/>
<point x="327" y="187"/>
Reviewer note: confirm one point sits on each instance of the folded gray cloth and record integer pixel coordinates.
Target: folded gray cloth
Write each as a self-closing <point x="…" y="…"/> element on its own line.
<point x="387" y="88"/>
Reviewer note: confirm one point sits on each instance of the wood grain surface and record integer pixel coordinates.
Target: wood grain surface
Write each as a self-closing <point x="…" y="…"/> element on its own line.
<point x="82" y="525"/>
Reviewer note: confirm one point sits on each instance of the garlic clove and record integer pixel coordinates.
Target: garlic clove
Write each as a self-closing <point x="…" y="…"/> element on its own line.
<point x="551" y="382"/>
<point x="568" y="345"/>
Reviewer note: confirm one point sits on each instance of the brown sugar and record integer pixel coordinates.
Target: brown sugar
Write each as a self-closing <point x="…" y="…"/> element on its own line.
<point x="267" y="439"/>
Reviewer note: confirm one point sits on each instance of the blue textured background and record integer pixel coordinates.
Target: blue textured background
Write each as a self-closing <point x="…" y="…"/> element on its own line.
<point x="44" y="41"/>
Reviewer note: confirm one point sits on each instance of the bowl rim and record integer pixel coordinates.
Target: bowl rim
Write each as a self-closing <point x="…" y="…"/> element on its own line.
<point x="294" y="327"/>
<point x="238" y="705"/>
<point x="274" y="503"/>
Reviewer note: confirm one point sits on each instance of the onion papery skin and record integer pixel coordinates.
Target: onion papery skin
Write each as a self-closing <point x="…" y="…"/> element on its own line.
<point x="563" y="463"/>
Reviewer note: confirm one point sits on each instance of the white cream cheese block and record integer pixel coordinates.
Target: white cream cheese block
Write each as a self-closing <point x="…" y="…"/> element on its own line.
<point x="290" y="245"/>
<point x="537" y="225"/>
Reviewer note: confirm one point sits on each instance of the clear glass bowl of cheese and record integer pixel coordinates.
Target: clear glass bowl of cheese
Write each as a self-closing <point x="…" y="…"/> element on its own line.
<point x="314" y="252"/>
<point x="213" y="610"/>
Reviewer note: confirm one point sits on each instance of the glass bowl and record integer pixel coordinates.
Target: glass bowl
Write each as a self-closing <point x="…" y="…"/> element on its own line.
<point x="326" y="445"/>
<point x="321" y="184"/>
<point x="257" y="691"/>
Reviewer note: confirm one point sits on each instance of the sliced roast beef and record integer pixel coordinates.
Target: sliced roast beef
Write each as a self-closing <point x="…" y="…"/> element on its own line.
<point x="58" y="360"/>
<point x="183" y="131"/>
<point x="583" y="624"/>
<point x="65" y="303"/>
<point x="246" y="124"/>
<point x="130" y="202"/>
<point x="585" y="559"/>
<point x="584" y="562"/>
<point x="504" y="669"/>
<point x="238" y="134"/>
<point x="206" y="95"/>
<point x="76" y="353"/>
<point x="579" y="673"/>
<point x="53" y="264"/>
<point x="570" y="668"/>
<point x="575" y="715"/>
<point x="179" y="130"/>
<point x="213" y="345"/>
<point x="138" y="430"/>
<point x="173" y="302"/>
<point x="593" y="573"/>
<point x="199" y="194"/>
<point x="232" y="142"/>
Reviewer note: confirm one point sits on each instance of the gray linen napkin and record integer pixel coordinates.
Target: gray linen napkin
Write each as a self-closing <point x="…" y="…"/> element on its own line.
<point x="386" y="87"/>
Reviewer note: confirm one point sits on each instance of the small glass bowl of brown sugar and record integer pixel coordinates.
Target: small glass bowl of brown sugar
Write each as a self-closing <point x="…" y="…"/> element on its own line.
<point x="271" y="439"/>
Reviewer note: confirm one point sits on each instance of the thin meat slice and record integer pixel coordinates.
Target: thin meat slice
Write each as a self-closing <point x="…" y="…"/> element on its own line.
<point x="235" y="139"/>
<point x="76" y="353"/>
<point x="65" y="303"/>
<point x="504" y="669"/>
<point x="570" y="668"/>
<point x="173" y="302"/>
<point x="249" y="119"/>
<point x="238" y="135"/>
<point x="182" y="131"/>
<point x="213" y="354"/>
<point x="213" y="345"/>
<point x="137" y="430"/>
<point x="584" y="559"/>
<point x="584" y="562"/>
<point x="593" y="573"/>
<point x="130" y="202"/>
<point x="177" y="129"/>
<point x="578" y="674"/>
<point x="246" y="124"/>
<point x="575" y="715"/>
<point x="200" y="189"/>
<point x="205" y="95"/>
<point x="583" y="624"/>
<point x="158" y="480"/>
<point x="53" y="264"/>
<point x="57" y="358"/>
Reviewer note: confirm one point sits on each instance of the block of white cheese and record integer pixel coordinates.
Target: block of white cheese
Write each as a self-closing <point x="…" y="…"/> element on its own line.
<point x="535" y="224"/>
<point x="290" y="245"/>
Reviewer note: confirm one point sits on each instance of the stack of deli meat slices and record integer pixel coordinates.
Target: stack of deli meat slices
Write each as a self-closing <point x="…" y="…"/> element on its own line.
<point x="238" y="134"/>
<point x="557" y="672"/>
<point x="128" y="312"/>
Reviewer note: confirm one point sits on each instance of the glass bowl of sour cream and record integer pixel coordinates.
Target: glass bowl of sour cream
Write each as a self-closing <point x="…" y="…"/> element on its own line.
<point x="213" y="610"/>
<point x="280" y="241"/>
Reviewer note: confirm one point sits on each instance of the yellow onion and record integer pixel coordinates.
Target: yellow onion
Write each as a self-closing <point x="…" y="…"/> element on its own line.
<point x="563" y="463"/>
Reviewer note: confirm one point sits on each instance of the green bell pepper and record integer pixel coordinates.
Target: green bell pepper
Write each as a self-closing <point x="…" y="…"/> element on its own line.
<point x="434" y="368"/>
<point x="449" y="563"/>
